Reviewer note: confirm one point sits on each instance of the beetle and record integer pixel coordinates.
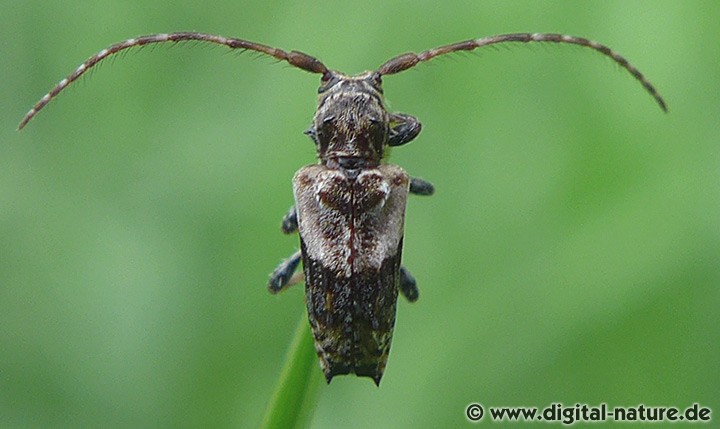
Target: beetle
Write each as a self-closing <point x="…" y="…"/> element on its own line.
<point x="350" y="207"/>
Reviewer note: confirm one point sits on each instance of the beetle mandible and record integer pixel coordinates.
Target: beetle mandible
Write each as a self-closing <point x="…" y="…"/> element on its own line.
<point x="350" y="207"/>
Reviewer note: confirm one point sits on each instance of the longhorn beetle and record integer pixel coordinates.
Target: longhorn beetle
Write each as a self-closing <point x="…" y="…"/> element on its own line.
<point x="350" y="207"/>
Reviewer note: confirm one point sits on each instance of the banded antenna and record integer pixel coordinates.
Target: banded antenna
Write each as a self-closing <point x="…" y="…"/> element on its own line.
<point x="310" y="64"/>
<point x="294" y="58"/>
<point x="411" y="59"/>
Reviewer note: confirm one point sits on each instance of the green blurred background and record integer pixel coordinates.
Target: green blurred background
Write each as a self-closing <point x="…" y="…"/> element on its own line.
<point x="571" y="253"/>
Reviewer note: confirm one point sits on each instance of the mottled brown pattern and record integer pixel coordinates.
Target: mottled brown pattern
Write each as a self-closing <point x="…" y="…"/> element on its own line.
<point x="351" y="124"/>
<point x="352" y="318"/>
<point x="351" y="251"/>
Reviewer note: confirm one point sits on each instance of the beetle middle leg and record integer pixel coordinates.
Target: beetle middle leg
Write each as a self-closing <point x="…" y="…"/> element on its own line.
<point x="408" y="285"/>
<point x="290" y="222"/>
<point x="421" y="187"/>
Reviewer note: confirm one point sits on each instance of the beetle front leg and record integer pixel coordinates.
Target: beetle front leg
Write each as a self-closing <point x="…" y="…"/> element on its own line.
<point x="403" y="128"/>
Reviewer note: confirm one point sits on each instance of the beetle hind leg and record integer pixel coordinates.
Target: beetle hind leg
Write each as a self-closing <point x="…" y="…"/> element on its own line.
<point x="284" y="275"/>
<point x="408" y="285"/>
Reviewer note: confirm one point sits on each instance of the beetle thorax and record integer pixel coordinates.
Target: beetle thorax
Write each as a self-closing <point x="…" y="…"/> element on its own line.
<point x="351" y="125"/>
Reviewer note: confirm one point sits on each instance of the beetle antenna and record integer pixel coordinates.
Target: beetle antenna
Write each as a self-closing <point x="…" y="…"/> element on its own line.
<point x="294" y="58"/>
<point x="411" y="59"/>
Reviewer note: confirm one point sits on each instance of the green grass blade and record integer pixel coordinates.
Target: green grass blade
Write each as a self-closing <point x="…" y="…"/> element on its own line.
<point x="295" y="396"/>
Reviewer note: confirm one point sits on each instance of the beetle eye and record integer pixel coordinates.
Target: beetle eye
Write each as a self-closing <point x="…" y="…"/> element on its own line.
<point x="375" y="79"/>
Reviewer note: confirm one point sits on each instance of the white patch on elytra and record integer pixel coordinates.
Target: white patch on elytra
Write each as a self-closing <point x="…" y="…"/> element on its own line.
<point x="375" y="232"/>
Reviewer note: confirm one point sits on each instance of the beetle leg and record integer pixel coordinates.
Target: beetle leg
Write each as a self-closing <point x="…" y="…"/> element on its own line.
<point x="403" y="128"/>
<point x="408" y="285"/>
<point x="421" y="187"/>
<point x="284" y="275"/>
<point x="289" y="221"/>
